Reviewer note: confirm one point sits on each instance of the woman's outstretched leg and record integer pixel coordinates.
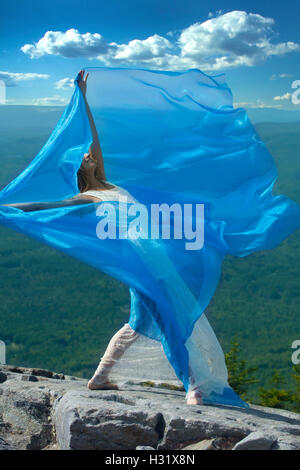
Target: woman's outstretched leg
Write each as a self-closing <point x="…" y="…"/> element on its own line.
<point x="115" y="350"/>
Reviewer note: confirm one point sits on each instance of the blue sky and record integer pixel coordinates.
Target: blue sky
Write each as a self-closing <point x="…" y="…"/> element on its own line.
<point x="255" y="43"/>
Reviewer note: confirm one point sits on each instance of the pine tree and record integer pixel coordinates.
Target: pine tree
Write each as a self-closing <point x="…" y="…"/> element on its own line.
<point x="296" y="393"/>
<point x="239" y="376"/>
<point x="275" y="397"/>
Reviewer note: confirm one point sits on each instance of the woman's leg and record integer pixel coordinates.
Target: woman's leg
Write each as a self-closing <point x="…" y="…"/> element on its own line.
<point x="141" y="316"/>
<point x="115" y="350"/>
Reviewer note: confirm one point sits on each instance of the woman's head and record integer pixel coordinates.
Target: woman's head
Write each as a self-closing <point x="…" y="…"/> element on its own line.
<point x="86" y="173"/>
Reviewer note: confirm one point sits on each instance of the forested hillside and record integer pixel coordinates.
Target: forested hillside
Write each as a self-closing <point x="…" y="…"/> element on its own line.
<point x="57" y="313"/>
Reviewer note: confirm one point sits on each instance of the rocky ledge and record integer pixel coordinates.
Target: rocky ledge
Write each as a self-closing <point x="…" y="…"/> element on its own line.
<point x="43" y="410"/>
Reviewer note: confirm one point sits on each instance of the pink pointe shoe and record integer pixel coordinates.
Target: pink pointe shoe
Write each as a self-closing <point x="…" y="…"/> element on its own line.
<point x="93" y="384"/>
<point x="194" y="397"/>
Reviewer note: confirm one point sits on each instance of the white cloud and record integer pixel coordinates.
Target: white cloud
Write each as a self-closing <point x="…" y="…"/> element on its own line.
<point x="258" y="104"/>
<point x="154" y="46"/>
<point x="281" y="75"/>
<point x="286" y="96"/>
<point x="68" y="44"/>
<point x="241" y="104"/>
<point x="228" y="40"/>
<point x="64" y="84"/>
<point x="264" y="105"/>
<point x="12" y="78"/>
<point x="152" y="52"/>
<point x="50" y="101"/>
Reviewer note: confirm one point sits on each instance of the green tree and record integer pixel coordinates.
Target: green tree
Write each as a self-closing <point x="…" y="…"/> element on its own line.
<point x="239" y="375"/>
<point x="296" y="394"/>
<point x="275" y="397"/>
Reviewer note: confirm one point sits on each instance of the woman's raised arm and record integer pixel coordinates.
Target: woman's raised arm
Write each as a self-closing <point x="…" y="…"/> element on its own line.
<point x="95" y="148"/>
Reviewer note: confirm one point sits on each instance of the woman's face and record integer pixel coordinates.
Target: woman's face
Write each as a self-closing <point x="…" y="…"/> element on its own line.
<point x="88" y="163"/>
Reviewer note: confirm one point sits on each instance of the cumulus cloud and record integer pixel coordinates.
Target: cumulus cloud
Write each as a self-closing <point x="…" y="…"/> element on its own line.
<point x="154" y="46"/>
<point x="150" y="52"/>
<point x="233" y="39"/>
<point x="286" y="96"/>
<point x="13" y="78"/>
<point x="64" y="84"/>
<point x="228" y="40"/>
<point x="50" y="101"/>
<point x="241" y="104"/>
<point x="258" y="104"/>
<point x="68" y="44"/>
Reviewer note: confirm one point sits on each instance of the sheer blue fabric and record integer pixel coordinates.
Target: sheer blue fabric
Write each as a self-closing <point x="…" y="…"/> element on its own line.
<point x="170" y="138"/>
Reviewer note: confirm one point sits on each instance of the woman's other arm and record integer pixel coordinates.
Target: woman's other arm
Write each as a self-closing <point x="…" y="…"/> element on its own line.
<point x="95" y="148"/>
<point x="38" y="206"/>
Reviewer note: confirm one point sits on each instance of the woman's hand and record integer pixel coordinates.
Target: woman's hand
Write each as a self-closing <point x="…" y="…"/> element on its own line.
<point x="82" y="81"/>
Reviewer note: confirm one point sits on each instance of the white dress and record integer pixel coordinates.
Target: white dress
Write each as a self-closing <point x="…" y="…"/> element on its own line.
<point x="113" y="194"/>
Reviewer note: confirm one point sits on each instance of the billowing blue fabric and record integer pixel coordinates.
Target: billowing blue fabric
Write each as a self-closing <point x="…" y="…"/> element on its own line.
<point x="169" y="138"/>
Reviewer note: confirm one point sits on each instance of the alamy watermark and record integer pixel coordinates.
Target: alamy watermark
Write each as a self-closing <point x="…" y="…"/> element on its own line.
<point x="153" y="223"/>
<point x="2" y="92"/>
<point x="296" y="94"/>
<point x="296" y="354"/>
<point x="2" y="352"/>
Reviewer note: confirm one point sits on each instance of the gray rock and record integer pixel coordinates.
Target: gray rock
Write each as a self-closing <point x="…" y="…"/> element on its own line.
<point x="34" y="371"/>
<point x="3" y="377"/>
<point x="29" y="378"/>
<point x="144" y="448"/>
<point x="205" y="444"/>
<point x="24" y="415"/>
<point x="287" y="442"/>
<point x="5" y="445"/>
<point x="61" y="413"/>
<point x="92" y="420"/>
<point x="256" y="441"/>
<point x="219" y="443"/>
